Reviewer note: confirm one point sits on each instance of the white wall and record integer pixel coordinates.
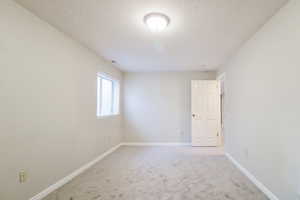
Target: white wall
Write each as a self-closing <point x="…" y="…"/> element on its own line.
<point x="157" y="105"/>
<point x="48" y="122"/>
<point x="262" y="103"/>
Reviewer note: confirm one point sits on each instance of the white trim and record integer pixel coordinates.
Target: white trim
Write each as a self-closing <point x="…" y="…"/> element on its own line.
<point x="108" y="116"/>
<point x="69" y="177"/>
<point x="221" y="76"/>
<point x="107" y="76"/>
<point x="258" y="184"/>
<point x="155" y="144"/>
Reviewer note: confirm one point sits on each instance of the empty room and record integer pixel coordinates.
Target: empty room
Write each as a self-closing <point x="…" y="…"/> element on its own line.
<point x="149" y="99"/>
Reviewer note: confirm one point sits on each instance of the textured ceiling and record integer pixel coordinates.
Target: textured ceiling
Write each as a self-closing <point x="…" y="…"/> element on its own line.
<point x="202" y="34"/>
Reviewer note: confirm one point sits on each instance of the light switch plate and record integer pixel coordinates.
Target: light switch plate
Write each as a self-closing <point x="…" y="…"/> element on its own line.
<point x="22" y="176"/>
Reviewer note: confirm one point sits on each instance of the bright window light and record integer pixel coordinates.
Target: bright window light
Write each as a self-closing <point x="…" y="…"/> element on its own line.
<point x="108" y="92"/>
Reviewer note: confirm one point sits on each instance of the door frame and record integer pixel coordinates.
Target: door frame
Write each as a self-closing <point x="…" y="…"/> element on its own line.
<point x="222" y="78"/>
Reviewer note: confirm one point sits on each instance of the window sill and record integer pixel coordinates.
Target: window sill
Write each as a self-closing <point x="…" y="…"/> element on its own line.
<point x="107" y="116"/>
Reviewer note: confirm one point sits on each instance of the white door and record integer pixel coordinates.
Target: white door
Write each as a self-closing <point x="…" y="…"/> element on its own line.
<point x="205" y="113"/>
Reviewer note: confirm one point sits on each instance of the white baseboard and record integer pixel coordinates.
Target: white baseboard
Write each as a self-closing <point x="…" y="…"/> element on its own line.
<point x="258" y="184"/>
<point x="68" y="178"/>
<point x="155" y="144"/>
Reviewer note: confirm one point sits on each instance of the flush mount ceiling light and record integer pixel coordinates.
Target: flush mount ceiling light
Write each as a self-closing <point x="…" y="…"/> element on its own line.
<point x="156" y="22"/>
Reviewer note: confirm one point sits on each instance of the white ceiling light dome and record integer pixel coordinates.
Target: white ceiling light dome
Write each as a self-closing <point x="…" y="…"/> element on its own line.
<point x="156" y="22"/>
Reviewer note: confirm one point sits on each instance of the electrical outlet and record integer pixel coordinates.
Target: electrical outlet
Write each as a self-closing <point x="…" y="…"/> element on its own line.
<point x="22" y="176"/>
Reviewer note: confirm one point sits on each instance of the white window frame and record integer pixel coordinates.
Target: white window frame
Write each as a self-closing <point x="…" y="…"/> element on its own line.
<point x="115" y="109"/>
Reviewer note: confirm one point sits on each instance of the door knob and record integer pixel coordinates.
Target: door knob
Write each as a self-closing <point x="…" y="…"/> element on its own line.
<point x="193" y="115"/>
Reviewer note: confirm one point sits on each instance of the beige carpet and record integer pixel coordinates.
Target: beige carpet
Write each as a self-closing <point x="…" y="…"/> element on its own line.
<point x="161" y="173"/>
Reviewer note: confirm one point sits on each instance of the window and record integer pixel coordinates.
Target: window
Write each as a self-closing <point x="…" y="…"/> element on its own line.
<point x="108" y="91"/>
